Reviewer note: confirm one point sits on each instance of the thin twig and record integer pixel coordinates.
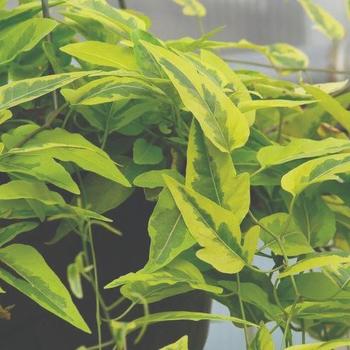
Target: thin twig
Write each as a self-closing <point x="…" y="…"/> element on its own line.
<point x="242" y="311"/>
<point x="46" y="14"/>
<point x="51" y="118"/>
<point x="293" y="69"/>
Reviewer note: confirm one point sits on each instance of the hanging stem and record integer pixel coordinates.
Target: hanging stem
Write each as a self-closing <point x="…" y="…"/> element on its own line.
<point x="242" y="310"/>
<point x="46" y="14"/>
<point x="293" y="69"/>
<point x="97" y="289"/>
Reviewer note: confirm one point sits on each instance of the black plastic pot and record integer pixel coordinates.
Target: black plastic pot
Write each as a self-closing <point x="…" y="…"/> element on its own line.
<point x="32" y="328"/>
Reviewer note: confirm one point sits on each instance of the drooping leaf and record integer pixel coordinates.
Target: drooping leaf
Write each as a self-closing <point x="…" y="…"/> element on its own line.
<point x="144" y="59"/>
<point x="110" y="89"/>
<point x="331" y="105"/>
<point x="241" y="91"/>
<point x="111" y="18"/>
<point x="39" y="283"/>
<point x="293" y="240"/>
<point x="181" y="344"/>
<point x="179" y="277"/>
<point x="316" y="260"/>
<point x="146" y="153"/>
<point x="315" y="171"/>
<point x="323" y="20"/>
<point x="212" y="174"/>
<point x="247" y="106"/>
<point x="192" y="7"/>
<point x="182" y="316"/>
<point x="68" y="147"/>
<point x="23" y="37"/>
<point x="9" y="232"/>
<point x="222" y="122"/>
<point x="213" y="227"/>
<point x="18" y="92"/>
<point x="168" y="232"/>
<point x="102" y="54"/>
<point x="300" y="149"/>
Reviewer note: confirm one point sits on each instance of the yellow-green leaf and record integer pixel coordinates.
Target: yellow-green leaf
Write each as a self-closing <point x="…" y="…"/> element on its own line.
<point x="213" y="227"/>
<point x="329" y="345"/>
<point x="315" y="171"/>
<point x="241" y="91"/>
<point x="323" y="20"/>
<point x="211" y="173"/>
<point x="263" y="340"/>
<point x="192" y="7"/>
<point x="247" y="106"/>
<point x="300" y="149"/>
<point x="21" y="91"/>
<point x="222" y="122"/>
<point x="23" y="37"/>
<point x="39" y="283"/>
<point x="110" y="89"/>
<point x="181" y="344"/>
<point x="314" y="261"/>
<point x="102" y="54"/>
<point x="331" y="105"/>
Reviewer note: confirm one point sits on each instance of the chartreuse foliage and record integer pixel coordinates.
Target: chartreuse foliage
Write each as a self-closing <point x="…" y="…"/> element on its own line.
<point x="241" y="167"/>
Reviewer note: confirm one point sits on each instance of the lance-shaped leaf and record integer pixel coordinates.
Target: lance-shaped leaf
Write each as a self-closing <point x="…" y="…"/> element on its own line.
<point x="181" y="344"/>
<point x="192" y="7"/>
<point x="170" y="316"/>
<point x="179" y="277"/>
<point x="263" y="104"/>
<point x="222" y="122"/>
<point x="21" y="13"/>
<point x="10" y="232"/>
<point x="21" y="91"/>
<point x="329" y="345"/>
<point x="318" y="260"/>
<point x="215" y="229"/>
<point x="241" y="91"/>
<point x="300" y="149"/>
<point x="111" y="18"/>
<point x="110" y="89"/>
<point x="323" y="20"/>
<point x="39" y="282"/>
<point x="315" y="171"/>
<point x="61" y="145"/>
<point x="331" y="105"/>
<point x="102" y="54"/>
<point x="168" y="232"/>
<point x="23" y="37"/>
<point x="212" y="174"/>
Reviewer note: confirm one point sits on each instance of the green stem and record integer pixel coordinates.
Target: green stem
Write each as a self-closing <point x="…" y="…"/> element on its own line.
<point x="295" y="69"/>
<point x="50" y="119"/>
<point x="46" y="14"/>
<point x="242" y="310"/>
<point x="104" y="345"/>
<point x="97" y="299"/>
